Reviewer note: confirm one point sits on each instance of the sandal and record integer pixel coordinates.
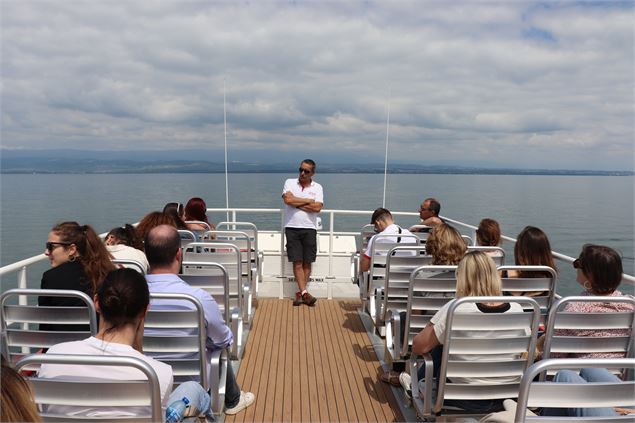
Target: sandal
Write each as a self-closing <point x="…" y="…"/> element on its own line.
<point x="391" y="377"/>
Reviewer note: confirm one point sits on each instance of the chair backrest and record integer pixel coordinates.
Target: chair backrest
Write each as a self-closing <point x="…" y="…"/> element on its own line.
<point x="430" y="288"/>
<point x="379" y="252"/>
<point x="485" y="354"/>
<point x="401" y="261"/>
<point x="496" y="253"/>
<point x="545" y="285"/>
<point x="586" y="332"/>
<point x="365" y="234"/>
<point x="20" y="323"/>
<point x="573" y="395"/>
<point x="175" y="333"/>
<point x="246" y="227"/>
<point x="422" y="231"/>
<point x="227" y="255"/>
<point x="82" y="392"/>
<point x="215" y="283"/>
<point x="199" y="232"/>
<point x="240" y="239"/>
<point x="186" y="236"/>
<point x="130" y="264"/>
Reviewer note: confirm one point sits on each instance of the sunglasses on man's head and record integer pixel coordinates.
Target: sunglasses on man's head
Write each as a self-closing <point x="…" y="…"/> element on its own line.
<point x="303" y="170"/>
<point x="50" y="246"/>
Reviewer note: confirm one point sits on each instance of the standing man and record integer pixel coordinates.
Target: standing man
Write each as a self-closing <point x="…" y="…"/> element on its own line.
<point x="429" y="213"/>
<point x="303" y="199"/>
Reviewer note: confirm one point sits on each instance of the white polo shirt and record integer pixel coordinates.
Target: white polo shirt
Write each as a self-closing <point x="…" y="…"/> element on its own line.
<point x="390" y="230"/>
<point x="294" y="217"/>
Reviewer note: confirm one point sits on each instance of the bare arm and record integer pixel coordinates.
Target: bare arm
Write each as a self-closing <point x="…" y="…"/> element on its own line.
<point x="313" y="207"/>
<point x="425" y="340"/>
<point x="364" y="264"/>
<point x="293" y="201"/>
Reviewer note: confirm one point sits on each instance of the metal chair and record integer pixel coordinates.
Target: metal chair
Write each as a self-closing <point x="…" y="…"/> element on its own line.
<point x="484" y="355"/>
<point x="429" y="288"/>
<point x="540" y="284"/>
<point x="81" y="392"/>
<point x="252" y="231"/>
<point x="186" y="236"/>
<point x="571" y="395"/>
<point x="20" y="323"/>
<point x="496" y="253"/>
<point x="175" y="334"/>
<point x="130" y="264"/>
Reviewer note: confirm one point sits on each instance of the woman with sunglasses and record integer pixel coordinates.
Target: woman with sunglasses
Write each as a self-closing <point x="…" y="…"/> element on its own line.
<point x="599" y="271"/>
<point x="177" y="212"/>
<point x="79" y="261"/>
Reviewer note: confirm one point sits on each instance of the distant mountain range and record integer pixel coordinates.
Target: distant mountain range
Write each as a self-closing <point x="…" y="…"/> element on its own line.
<point x="78" y="162"/>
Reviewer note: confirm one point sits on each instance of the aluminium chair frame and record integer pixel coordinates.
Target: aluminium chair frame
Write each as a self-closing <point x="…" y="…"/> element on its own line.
<point x="130" y="264"/>
<point x="248" y="227"/>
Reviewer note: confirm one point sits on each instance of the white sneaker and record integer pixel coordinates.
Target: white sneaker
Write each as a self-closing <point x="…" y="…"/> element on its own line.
<point x="405" y="380"/>
<point x="246" y="399"/>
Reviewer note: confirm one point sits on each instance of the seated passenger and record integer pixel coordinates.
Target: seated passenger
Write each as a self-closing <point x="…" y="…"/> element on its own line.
<point x="532" y="248"/>
<point x="164" y="254"/>
<point x="384" y="225"/>
<point x="445" y="245"/>
<point x="79" y="261"/>
<point x="488" y="234"/>
<point x="429" y="214"/>
<point x="16" y="402"/>
<point x="122" y="302"/>
<point x="152" y="220"/>
<point x="476" y="276"/>
<point x="599" y="271"/>
<point x="177" y="211"/>
<point x="122" y="243"/>
<point x="196" y="210"/>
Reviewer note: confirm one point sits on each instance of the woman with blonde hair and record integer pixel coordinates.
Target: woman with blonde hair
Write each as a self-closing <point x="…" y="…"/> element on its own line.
<point x="445" y="245"/>
<point x="476" y="275"/>
<point x="16" y="402"/>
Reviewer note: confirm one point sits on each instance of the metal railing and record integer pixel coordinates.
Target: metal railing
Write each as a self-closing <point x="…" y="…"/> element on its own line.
<point x="21" y="266"/>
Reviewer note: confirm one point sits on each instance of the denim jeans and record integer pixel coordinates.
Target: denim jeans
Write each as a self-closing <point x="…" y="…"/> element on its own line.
<point x="477" y="406"/>
<point x="586" y="375"/>
<point x="196" y="395"/>
<point x="232" y="390"/>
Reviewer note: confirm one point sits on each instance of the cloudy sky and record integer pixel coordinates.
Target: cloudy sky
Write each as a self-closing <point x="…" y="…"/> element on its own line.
<point x="514" y="84"/>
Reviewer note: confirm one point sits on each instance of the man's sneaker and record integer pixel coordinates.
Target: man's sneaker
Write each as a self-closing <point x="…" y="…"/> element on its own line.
<point x="246" y="399"/>
<point x="406" y="384"/>
<point x="298" y="299"/>
<point x="309" y="299"/>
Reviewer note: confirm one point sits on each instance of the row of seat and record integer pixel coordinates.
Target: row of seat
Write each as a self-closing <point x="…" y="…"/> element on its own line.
<point x="21" y="336"/>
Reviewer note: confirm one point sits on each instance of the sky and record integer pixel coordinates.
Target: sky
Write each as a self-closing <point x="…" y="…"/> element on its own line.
<point x="498" y="84"/>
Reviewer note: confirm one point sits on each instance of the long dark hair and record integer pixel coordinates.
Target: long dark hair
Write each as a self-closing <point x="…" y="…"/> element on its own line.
<point x="532" y="248"/>
<point x="93" y="255"/>
<point x="123" y="296"/>
<point x="175" y="210"/>
<point x="196" y="209"/>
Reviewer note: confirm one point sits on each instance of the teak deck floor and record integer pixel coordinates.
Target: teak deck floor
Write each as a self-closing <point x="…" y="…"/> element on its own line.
<point x="312" y="364"/>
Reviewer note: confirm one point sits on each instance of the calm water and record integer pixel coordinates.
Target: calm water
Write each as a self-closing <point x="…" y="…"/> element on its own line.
<point x="572" y="210"/>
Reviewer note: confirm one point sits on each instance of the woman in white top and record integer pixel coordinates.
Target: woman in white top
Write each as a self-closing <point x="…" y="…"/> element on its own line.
<point x="123" y="244"/>
<point x="476" y="275"/>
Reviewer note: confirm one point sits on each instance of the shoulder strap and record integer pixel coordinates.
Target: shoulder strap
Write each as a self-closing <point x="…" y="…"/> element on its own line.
<point x="399" y="238"/>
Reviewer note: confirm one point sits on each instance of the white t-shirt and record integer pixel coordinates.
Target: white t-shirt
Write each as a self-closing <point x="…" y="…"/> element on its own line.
<point x="439" y="321"/>
<point x="94" y="346"/>
<point x="293" y="216"/>
<point x="124" y="252"/>
<point x="391" y="229"/>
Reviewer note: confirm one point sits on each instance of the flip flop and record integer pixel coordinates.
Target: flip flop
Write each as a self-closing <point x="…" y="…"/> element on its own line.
<point x="391" y="377"/>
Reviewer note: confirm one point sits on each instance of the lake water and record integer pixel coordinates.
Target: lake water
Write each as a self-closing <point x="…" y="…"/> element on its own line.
<point x="572" y="210"/>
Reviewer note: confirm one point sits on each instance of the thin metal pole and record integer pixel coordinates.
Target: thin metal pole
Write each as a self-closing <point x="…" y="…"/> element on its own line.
<point x="225" y="127"/>
<point x="383" y="201"/>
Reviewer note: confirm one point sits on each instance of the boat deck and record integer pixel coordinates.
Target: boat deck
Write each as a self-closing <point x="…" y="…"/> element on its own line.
<point x="313" y="364"/>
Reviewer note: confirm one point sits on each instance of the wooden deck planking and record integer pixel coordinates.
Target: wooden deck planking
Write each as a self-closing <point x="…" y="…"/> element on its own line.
<point x="312" y="364"/>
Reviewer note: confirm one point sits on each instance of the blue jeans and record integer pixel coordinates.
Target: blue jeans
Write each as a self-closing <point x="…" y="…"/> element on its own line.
<point x="477" y="406"/>
<point x="586" y="375"/>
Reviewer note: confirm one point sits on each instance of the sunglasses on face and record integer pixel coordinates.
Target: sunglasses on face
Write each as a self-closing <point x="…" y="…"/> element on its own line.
<point x="577" y="264"/>
<point x="50" y="246"/>
<point x="303" y="170"/>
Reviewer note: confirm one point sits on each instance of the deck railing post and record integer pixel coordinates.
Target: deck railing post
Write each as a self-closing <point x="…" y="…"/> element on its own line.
<point x="22" y="300"/>
<point x="233" y="216"/>
<point x="282" y="258"/>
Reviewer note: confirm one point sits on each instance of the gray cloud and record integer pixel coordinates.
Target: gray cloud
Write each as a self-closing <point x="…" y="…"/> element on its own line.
<point x="510" y="83"/>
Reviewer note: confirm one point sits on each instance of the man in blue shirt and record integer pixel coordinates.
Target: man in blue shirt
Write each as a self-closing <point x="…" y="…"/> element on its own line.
<point x="162" y="248"/>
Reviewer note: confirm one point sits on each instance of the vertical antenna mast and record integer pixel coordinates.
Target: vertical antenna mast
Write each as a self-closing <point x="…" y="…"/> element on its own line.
<point x="383" y="201"/>
<point x="225" y="127"/>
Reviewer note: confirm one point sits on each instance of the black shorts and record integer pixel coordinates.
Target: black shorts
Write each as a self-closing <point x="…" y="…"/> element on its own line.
<point x="301" y="244"/>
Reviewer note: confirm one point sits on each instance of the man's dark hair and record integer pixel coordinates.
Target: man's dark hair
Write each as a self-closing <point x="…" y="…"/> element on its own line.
<point x="380" y="214"/>
<point x="161" y="245"/>
<point x="434" y="206"/>
<point x="310" y="163"/>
